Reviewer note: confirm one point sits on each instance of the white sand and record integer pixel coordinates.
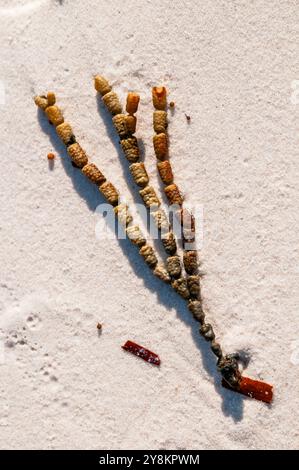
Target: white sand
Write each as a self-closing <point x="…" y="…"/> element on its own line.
<point x="230" y="66"/>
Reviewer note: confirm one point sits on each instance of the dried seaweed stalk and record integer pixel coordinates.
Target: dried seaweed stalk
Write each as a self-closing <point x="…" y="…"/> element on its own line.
<point x="125" y="126"/>
<point x="96" y="176"/>
<point x="227" y="365"/>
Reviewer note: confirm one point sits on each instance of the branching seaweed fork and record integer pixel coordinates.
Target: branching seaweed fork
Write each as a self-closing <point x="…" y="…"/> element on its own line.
<point x="186" y="285"/>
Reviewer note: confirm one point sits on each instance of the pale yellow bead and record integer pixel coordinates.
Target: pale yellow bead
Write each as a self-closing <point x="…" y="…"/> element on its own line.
<point x="120" y="124"/>
<point x="149" y="256"/>
<point x="135" y="235"/>
<point x="109" y="192"/>
<point x="149" y="197"/>
<point x="112" y="102"/>
<point x="77" y="155"/>
<point x="101" y="85"/>
<point x="41" y="102"/>
<point x="139" y="174"/>
<point x="65" y="132"/>
<point x="93" y="174"/>
<point x="54" y="114"/>
<point x="130" y="149"/>
<point x="162" y="273"/>
<point x="160" y="121"/>
<point x="123" y="215"/>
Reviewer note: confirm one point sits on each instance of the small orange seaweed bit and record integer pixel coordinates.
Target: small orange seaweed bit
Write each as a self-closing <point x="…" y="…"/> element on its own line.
<point x="132" y="102"/>
<point x="51" y="156"/>
<point x="159" y="97"/>
<point x="142" y="352"/>
<point x="253" y="389"/>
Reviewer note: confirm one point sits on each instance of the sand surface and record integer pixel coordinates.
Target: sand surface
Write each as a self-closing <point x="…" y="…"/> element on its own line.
<point x="231" y="66"/>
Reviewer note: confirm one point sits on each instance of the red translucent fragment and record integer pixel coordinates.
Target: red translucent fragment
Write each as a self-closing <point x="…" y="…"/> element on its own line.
<point x="142" y="352"/>
<point x="253" y="389"/>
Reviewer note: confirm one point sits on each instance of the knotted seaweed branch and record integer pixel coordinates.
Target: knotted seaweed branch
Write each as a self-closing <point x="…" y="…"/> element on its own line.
<point x="125" y="126"/>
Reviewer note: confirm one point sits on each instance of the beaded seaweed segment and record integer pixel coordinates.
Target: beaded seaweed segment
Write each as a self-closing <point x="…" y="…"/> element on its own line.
<point x="186" y="285"/>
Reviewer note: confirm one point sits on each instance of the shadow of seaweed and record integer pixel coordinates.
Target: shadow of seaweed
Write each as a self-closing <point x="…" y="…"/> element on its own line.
<point x="232" y="403"/>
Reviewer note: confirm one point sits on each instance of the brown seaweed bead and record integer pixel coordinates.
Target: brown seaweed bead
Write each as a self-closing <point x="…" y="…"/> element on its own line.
<point x="77" y="155"/>
<point x="195" y="308"/>
<point x="139" y="174"/>
<point x="147" y="252"/>
<point x="109" y="192"/>
<point x="101" y="85"/>
<point x="132" y="102"/>
<point x="112" y="102"/>
<point x="173" y="266"/>
<point x="54" y="114"/>
<point x="190" y="261"/>
<point x="229" y="369"/>
<point x="160" y="121"/>
<point x="194" y="286"/>
<point x="216" y="348"/>
<point x="51" y="98"/>
<point x="120" y="124"/>
<point x="160" y="142"/>
<point x="131" y="122"/>
<point x="169" y="243"/>
<point x="165" y="172"/>
<point x="149" y="197"/>
<point x="123" y="215"/>
<point x="180" y="286"/>
<point x="159" y="97"/>
<point x="173" y="195"/>
<point x="207" y="332"/>
<point x="65" y="132"/>
<point x="93" y="174"/>
<point x="41" y="102"/>
<point x="135" y="235"/>
<point x="130" y="149"/>
<point x="162" y="273"/>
